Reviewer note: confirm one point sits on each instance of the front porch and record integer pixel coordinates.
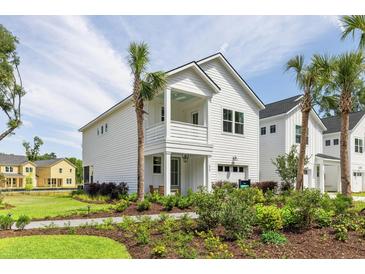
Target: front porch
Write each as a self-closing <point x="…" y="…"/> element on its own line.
<point x="12" y="181"/>
<point x="176" y="172"/>
<point x="328" y="173"/>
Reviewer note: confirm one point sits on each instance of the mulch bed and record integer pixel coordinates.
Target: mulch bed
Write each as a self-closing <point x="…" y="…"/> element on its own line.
<point x="311" y="244"/>
<point x="130" y="211"/>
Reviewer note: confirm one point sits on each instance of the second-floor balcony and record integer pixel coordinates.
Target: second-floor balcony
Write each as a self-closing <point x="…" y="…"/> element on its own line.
<point x="177" y="116"/>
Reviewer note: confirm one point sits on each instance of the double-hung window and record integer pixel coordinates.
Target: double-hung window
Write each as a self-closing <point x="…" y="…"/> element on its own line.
<point x="9" y="169"/>
<point x="335" y="142"/>
<point x="157" y="163"/>
<point x="359" y="145"/>
<point x="195" y="118"/>
<point x="238" y="122"/>
<point x="263" y="131"/>
<point x="272" y="128"/>
<point x="328" y="143"/>
<point x="162" y="114"/>
<point x="298" y="134"/>
<point x="227" y="120"/>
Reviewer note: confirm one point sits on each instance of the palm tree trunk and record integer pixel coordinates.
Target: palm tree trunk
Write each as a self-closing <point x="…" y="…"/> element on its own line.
<point x="140" y="161"/>
<point x="344" y="154"/>
<point x="303" y="144"/>
<point x="6" y="132"/>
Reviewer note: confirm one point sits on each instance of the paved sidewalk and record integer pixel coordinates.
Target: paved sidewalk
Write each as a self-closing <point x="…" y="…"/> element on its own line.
<point x="355" y="198"/>
<point x="95" y="221"/>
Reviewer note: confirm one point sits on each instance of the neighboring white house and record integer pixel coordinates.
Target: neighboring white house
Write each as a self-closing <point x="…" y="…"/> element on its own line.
<point x="203" y="128"/>
<point x="331" y="146"/>
<point x="280" y="129"/>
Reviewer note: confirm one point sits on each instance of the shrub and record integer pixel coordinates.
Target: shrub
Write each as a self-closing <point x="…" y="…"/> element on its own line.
<point x="143" y="205"/>
<point x="341" y="232"/>
<point x="154" y="197"/>
<point x="266" y="186"/>
<point x="216" y="249"/>
<point x="224" y="184"/>
<point x="250" y="196"/>
<point x="184" y="202"/>
<point x="133" y="197"/>
<point x="350" y="221"/>
<point x="269" y="218"/>
<point x="113" y="190"/>
<point x="6" y="222"/>
<point x="121" y="205"/>
<point x="273" y="237"/>
<point x="127" y="223"/>
<point x="187" y="223"/>
<point x="159" y="250"/>
<point x="342" y="203"/>
<point x="92" y="189"/>
<point x="187" y="252"/>
<point x="142" y="234"/>
<point x="168" y="202"/>
<point x="322" y="217"/>
<point x="291" y="218"/>
<point x="22" y="221"/>
<point x="207" y="206"/>
<point x="237" y="217"/>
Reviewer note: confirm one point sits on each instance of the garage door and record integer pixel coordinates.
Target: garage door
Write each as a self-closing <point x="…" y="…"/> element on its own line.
<point x="357" y="181"/>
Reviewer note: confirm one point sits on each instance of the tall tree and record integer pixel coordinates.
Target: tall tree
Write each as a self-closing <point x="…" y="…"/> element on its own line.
<point x="345" y="82"/>
<point x="79" y="169"/>
<point x="353" y="24"/>
<point x="11" y="86"/>
<point x="145" y="86"/>
<point x="309" y="83"/>
<point x="33" y="152"/>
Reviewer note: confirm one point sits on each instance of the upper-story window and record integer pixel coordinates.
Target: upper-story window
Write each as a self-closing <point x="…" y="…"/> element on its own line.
<point x="272" y="128"/>
<point x="238" y="122"/>
<point x="102" y="129"/>
<point x="60" y="170"/>
<point x="28" y="169"/>
<point x="335" y="142"/>
<point x="359" y="145"/>
<point x="70" y="170"/>
<point x="106" y="127"/>
<point x="157" y="163"/>
<point x="97" y="131"/>
<point x="195" y="118"/>
<point x="328" y="143"/>
<point x="263" y="131"/>
<point x="162" y="114"/>
<point x="227" y="120"/>
<point x="298" y="134"/>
<point x="8" y="169"/>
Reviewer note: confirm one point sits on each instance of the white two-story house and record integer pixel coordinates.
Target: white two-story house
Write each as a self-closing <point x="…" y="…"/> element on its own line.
<point x="280" y="129"/>
<point x="203" y="128"/>
<point x="331" y="146"/>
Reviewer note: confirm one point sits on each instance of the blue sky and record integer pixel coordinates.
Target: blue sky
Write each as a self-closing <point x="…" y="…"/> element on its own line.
<point x="74" y="68"/>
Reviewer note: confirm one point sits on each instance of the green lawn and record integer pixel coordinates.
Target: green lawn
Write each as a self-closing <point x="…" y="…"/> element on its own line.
<point x="41" y="206"/>
<point x="359" y="194"/>
<point x="359" y="205"/>
<point x="61" y="247"/>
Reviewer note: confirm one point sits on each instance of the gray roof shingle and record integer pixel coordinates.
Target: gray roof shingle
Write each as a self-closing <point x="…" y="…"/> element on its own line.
<point x="45" y="163"/>
<point x="333" y="124"/>
<point x="279" y="107"/>
<point x="11" y="159"/>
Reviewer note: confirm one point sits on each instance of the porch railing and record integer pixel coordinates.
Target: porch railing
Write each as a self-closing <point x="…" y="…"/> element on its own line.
<point x="155" y="133"/>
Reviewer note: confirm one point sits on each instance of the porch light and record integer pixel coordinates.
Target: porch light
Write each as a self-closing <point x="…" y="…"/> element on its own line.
<point x="234" y="158"/>
<point x="185" y="158"/>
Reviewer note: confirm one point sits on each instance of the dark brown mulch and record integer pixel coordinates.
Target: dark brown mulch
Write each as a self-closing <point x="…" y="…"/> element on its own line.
<point x="130" y="211"/>
<point x="311" y="244"/>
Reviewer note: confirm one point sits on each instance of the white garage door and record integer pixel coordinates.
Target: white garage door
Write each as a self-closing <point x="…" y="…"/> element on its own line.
<point x="357" y="181"/>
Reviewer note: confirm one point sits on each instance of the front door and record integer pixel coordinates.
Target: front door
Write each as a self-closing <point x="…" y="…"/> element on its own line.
<point x="175" y="173"/>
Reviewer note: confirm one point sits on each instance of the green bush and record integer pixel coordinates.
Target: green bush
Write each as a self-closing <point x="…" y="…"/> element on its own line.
<point x="121" y="205"/>
<point x="143" y="205"/>
<point x="133" y="197"/>
<point x="22" y="221"/>
<point x="208" y="207"/>
<point x="154" y="197"/>
<point x="273" y="237"/>
<point x="341" y="232"/>
<point x="213" y="244"/>
<point x="269" y="217"/>
<point x="291" y="218"/>
<point x="322" y="217"/>
<point x="251" y="196"/>
<point x="184" y="202"/>
<point x="6" y="222"/>
<point x="168" y="202"/>
<point x="142" y="234"/>
<point x="350" y="221"/>
<point x="187" y="223"/>
<point x="342" y="203"/>
<point x="237" y="217"/>
<point x="159" y="250"/>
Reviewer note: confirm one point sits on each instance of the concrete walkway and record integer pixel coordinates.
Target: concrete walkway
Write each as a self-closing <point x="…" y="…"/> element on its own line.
<point x="96" y="221"/>
<point x="355" y="198"/>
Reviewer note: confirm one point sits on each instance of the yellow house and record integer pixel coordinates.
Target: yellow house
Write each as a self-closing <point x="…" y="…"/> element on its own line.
<point x="56" y="173"/>
<point x="16" y="171"/>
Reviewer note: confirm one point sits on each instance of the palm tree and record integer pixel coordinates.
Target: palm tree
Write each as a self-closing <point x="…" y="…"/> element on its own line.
<point x="145" y="86"/>
<point x="308" y="80"/>
<point x="352" y="24"/>
<point x="345" y="82"/>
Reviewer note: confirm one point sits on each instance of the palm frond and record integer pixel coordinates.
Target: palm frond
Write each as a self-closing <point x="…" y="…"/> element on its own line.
<point x="154" y="83"/>
<point x="352" y="24"/>
<point x="138" y="57"/>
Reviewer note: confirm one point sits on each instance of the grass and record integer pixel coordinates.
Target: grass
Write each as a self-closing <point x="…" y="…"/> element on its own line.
<point x="359" y="194"/>
<point x="359" y="205"/>
<point x="42" y="206"/>
<point x="62" y="247"/>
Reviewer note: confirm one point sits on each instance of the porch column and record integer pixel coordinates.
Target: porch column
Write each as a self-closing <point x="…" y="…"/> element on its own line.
<point x="207" y="172"/>
<point x="321" y="177"/>
<point x="167" y="110"/>
<point x="339" y="179"/>
<point x="206" y="117"/>
<point x="167" y="172"/>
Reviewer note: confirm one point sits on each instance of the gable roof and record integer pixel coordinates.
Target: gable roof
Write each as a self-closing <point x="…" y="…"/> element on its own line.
<point x="328" y="157"/>
<point x="333" y="124"/>
<point x="51" y="162"/>
<point x="280" y="107"/>
<point x="11" y="159"/>
<point x="235" y="74"/>
<point x="199" y="70"/>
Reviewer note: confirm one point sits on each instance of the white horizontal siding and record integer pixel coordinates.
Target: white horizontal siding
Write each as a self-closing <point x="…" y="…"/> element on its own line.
<point x="225" y="146"/>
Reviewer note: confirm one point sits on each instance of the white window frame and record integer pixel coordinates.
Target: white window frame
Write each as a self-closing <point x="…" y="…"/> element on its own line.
<point x="338" y="142"/>
<point x="153" y="165"/>
<point x="197" y="117"/>
<point x="227" y="121"/>
<point x="263" y="131"/>
<point x="272" y="127"/>
<point x="360" y="148"/>
<point x="233" y="122"/>
<point x="9" y="169"/>
<point x="327" y="143"/>
<point x="239" y="123"/>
